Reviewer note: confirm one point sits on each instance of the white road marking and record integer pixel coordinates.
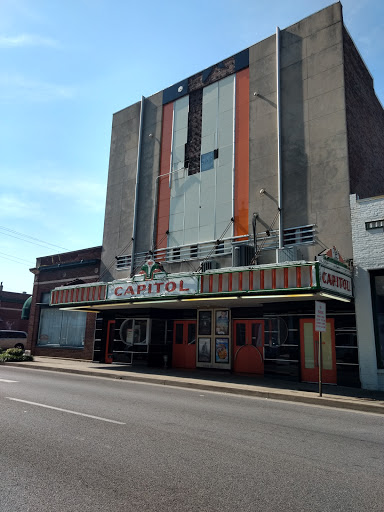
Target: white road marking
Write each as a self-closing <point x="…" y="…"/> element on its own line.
<point x="6" y="380"/>
<point x="65" y="410"/>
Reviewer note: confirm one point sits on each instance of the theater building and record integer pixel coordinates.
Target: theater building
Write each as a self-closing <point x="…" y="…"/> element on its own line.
<point x="227" y="211"/>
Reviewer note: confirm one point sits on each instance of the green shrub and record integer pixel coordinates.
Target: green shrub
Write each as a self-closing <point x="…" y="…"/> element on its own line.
<point x="14" y="354"/>
<point x="14" y="351"/>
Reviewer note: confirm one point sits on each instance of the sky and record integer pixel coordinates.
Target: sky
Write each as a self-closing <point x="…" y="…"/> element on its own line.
<point x="67" y="66"/>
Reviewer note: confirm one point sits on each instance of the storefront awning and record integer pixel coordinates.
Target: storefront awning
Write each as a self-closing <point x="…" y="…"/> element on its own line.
<point x="236" y="286"/>
<point x="26" y="309"/>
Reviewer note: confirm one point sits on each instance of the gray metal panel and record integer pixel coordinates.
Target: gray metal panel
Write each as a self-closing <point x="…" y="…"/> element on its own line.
<point x="226" y="94"/>
<point x="176" y="222"/>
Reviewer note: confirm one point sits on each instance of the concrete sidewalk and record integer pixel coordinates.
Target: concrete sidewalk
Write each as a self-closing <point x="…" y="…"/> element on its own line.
<point x="223" y="382"/>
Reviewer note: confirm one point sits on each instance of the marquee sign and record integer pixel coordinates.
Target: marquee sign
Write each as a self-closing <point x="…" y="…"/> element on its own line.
<point x="324" y="275"/>
<point x="152" y="288"/>
<point x="335" y="281"/>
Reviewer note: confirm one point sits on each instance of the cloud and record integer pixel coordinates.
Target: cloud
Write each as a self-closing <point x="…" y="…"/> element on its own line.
<point x="24" y="40"/>
<point x="86" y="195"/>
<point x="89" y="196"/>
<point x="18" y="87"/>
<point x="14" y="206"/>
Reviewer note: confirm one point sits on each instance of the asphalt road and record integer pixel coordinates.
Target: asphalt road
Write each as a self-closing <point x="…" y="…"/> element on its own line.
<point x="105" y="445"/>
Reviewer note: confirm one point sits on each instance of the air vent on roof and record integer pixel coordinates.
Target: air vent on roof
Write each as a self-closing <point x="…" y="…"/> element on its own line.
<point x="242" y="255"/>
<point x="209" y="265"/>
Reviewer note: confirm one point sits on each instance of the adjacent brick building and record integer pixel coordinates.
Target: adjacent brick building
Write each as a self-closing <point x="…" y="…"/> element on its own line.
<point x="368" y="258"/>
<point x="59" y="333"/>
<point x="11" y="305"/>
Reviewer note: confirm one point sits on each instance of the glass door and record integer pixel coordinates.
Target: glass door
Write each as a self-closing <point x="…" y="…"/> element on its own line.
<point x="309" y="351"/>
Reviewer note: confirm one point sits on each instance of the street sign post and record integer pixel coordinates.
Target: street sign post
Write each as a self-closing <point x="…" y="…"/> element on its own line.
<point x="320" y="326"/>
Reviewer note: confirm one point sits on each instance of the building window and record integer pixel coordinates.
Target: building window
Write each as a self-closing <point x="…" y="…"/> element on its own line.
<point x="219" y="247"/>
<point x="123" y="262"/>
<point x="299" y="235"/>
<point x="61" y="329"/>
<point x="375" y="225"/>
<point x="377" y="288"/>
<point x="176" y="253"/>
<point x="193" y="251"/>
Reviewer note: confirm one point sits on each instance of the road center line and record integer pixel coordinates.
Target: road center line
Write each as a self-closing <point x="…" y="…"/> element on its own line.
<point x="6" y="380"/>
<point x="65" y="410"/>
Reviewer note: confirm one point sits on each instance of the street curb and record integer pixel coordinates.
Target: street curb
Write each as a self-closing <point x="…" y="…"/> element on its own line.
<point x="339" y="403"/>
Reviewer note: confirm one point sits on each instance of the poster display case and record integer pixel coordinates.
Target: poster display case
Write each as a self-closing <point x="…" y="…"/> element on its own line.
<point x="214" y="339"/>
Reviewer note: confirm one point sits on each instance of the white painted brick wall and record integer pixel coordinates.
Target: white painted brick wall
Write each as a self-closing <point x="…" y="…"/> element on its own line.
<point x="368" y="254"/>
<point x="368" y="246"/>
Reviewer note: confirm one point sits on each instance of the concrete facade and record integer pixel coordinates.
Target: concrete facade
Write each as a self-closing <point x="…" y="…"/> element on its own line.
<point x="368" y="256"/>
<point x="236" y="181"/>
<point x="325" y="90"/>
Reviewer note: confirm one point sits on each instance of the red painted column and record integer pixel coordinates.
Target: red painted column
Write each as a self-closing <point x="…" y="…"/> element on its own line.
<point x="164" y="192"/>
<point x="285" y="278"/>
<point x="273" y="279"/>
<point x="298" y="277"/>
<point x="241" y="206"/>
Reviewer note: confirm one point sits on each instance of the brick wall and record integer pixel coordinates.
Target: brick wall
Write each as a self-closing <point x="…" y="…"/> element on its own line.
<point x="59" y="270"/>
<point x="11" y="304"/>
<point x="365" y="125"/>
<point x="368" y="254"/>
<point x="368" y="245"/>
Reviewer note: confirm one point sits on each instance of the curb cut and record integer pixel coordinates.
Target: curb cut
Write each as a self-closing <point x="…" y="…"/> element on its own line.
<point x="341" y="403"/>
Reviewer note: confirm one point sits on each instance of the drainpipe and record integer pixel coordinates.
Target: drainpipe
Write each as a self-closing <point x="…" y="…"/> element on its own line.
<point x="279" y="169"/>
<point x="137" y="186"/>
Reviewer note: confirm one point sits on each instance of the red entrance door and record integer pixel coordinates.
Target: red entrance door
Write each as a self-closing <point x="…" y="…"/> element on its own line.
<point x="184" y="344"/>
<point x="248" y="346"/>
<point x="309" y="351"/>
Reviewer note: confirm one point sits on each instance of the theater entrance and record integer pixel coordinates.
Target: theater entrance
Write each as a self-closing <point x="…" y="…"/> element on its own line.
<point x="184" y="344"/>
<point x="309" y="351"/>
<point x="248" y="346"/>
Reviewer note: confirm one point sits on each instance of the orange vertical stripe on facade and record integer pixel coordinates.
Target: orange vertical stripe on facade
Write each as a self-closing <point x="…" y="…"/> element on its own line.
<point x="220" y="282"/>
<point x="241" y="206"/>
<point x="261" y="279"/>
<point x="273" y="279"/>
<point x="285" y="277"/>
<point x="164" y="192"/>
<point x="229" y="282"/>
<point x="241" y="281"/>
<point x="298" y="277"/>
